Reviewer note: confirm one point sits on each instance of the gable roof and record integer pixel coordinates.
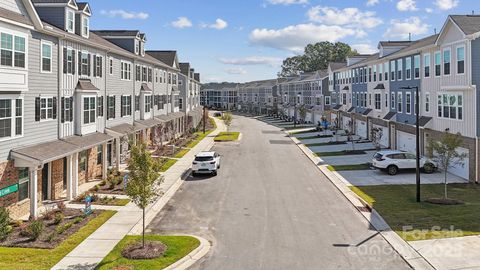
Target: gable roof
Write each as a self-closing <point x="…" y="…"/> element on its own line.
<point x="185" y="68"/>
<point x="116" y="33"/>
<point x="337" y="65"/>
<point x="394" y="43"/>
<point x="14" y="16"/>
<point x="469" y="24"/>
<point x="167" y="57"/>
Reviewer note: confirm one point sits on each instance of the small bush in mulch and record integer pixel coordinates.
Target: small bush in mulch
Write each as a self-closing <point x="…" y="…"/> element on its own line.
<point x="444" y="201"/>
<point x="152" y="250"/>
<point x="112" y="185"/>
<point x="47" y="233"/>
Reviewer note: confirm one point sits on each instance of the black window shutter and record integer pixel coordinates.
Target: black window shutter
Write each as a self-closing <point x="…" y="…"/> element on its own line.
<point x="151" y="102"/>
<point x="121" y="106"/>
<point x="62" y="117"/>
<point x="73" y="62"/>
<point x="80" y="63"/>
<point x="94" y="66"/>
<point x="54" y="107"/>
<point x="37" y="109"/>
<point x="71" y="108"/>
<point x="64" y="60"/>
<point x="101" y="66"/>
<point x="114" y="107"/>
<point x="130" y="100"/>
<point x="89" y="64"/>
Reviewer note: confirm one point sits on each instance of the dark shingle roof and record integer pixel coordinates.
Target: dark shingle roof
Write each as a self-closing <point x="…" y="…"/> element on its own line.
<point x="389" y="115"/>
<point x="351" y="109"/>
<point x="337" y="65"/>
<point x="50" y="1"/>
<point x="430" y="40"/>
<point x="367" y="111"/>
<point x="395" y="43"/>
<point x="424" y="120"/>
<point x="14" y="16"/>
<point x="196" y="76"/>
<point x="469" y="24"/>
<point x="117" y="33"/>
<point x="380" y="86"/>
<point x="184" y="68"/>
<point x="167" y="57"/>
<point x="86" y="84"/>
<point x="336" y="107"/>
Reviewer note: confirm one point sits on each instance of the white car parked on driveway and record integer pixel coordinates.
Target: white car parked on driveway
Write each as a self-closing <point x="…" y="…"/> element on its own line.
<point x="394" y="160"/>
<point x="206" y="162"/>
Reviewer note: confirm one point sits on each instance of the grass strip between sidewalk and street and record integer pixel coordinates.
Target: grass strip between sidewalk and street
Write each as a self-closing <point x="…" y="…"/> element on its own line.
<point x="303" y="131"/>
<point x="349" y="167"/>
<point x="39" y="259"/>
<point x="181" y="153"/>
<point x="314" y="137"/>
<point x="170" y="162"/>
<point x="324" y="144"/>
<point x="424" y="220"/>
<point x="177" y="248"/>
<point x="227" y="136"/>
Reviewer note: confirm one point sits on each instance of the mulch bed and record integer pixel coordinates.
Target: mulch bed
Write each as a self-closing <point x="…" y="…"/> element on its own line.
<point x="105" y="187"/>
<point x="444" y="201"/>
<point x="167" y="151"/>
<point x="152" y="250"/>
<point x="50" y="237"/>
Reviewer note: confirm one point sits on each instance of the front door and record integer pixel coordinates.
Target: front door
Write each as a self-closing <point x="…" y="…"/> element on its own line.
<point x="45" y="182"/>
<point x="64" y="173"/>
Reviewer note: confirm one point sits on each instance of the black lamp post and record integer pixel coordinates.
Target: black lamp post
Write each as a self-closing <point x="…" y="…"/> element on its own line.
<point x="417" y="138"/>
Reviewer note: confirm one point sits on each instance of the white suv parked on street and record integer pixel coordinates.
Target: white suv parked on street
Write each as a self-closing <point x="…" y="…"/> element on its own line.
<point x="394" y="160"/>
<point x="206" y="162"/>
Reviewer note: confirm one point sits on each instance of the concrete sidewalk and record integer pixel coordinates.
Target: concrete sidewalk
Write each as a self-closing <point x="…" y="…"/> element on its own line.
<point x="128" y="219"/>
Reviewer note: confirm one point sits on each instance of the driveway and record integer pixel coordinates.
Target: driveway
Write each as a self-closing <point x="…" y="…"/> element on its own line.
<point x="270" y="208"/>
<point x="341" y="147"/>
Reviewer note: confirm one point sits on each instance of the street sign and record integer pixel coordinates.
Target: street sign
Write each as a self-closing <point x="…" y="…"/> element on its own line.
<point x="88" y="205"/>
<point x="8" y="190"/>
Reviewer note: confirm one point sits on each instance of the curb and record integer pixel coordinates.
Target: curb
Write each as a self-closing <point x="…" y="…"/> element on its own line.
<point x="192" y="257"/>
<point x="403" y="248"/>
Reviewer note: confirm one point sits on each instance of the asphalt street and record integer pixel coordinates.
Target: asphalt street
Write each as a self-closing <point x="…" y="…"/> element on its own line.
<point x="271" y="208"/>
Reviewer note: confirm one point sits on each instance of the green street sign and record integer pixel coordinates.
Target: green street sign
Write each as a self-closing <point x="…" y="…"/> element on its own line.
<point x="8" y="190"/>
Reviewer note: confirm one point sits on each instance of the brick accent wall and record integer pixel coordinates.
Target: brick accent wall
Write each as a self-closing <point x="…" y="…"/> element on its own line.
<point x="94" y="170"/>
<point x="8" y="177"/>
<point x="57" y="178"/>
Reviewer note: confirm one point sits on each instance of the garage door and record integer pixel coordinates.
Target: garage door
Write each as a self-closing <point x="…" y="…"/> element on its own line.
<point x="406" y="141"/>
<point x="385" y="134"/>
<point x="460" y="170"/>
<point x="361" y="128"/>
<point x="345" y="121"/>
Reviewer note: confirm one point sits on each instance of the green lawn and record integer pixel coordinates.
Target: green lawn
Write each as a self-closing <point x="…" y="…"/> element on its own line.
<point x="397" y="205"/>
<point x="325" y="143"/>
<point x="201" y="135"/>
<point x="182" y="153"/>
<point x="340" y="153"/>
<point x="227" y="136"/>
<point x="121" y="202"/>
<point x="350" y="167"/>
<point x="168" y="164"/>
<point x="30" y="258"/>
<point x="177" y="248"/>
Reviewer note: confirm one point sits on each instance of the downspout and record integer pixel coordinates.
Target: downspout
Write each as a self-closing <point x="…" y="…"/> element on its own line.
<point x="59" y="85"/>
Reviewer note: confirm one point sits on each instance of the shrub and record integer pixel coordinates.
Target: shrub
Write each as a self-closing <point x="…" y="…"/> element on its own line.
<point x="62" y="228"/>
<point x="4" y="223"/>
<point x="49" y="215"/>
<point x="58" y="218"/>
<point x="33" y="230"/>
<point x="51" y="236"/>
<point x="61" y="206"/>
<point x="103" y="183"/>
<point x="77" y="220"/>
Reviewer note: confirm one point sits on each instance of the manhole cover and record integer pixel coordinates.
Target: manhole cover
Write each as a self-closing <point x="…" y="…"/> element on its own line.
<point x="280" y="142"/>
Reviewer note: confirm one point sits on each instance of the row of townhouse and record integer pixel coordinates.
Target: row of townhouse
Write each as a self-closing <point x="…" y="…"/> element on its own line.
<point x="71" y="100"/>
<point x="285" y="96"/>
<point x="379" y="90"/>
<point x="220" y="96"/>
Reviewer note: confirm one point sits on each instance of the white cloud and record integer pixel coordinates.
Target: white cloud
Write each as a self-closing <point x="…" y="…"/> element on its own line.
<point x="287" y="2"/>
<point x="219" y="24"/>
<point x="252" y="60"/>
<point x="407" y="5"/>
<point x="125" y="14"/>
<point x="347" y="16"/>
<point x="296" y="37"/>
<point x="364" y="48"/>
<point x="181" y="22"/>
<point x="236" y="71"/>
<point x="428" y="10"/>
<point x="446" y="4"/>
<point x="371" y="3"/>
<point x="401" y="29"/>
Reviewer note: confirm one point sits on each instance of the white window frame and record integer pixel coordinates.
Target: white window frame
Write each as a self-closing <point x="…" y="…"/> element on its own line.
<point x="110" y="65"/>
<point x="435" y="64"/>
<point x="98" y="65"/>
<point x="67" y="21"/>
<point x="427" y="102"/>
<point x="399" y="75"/>
<point x="48" y="43"/>
<point x="14" y="50"/>
<point x="94" y="109"/>
<point x="441" y="105"/>
<point x="70" y="62"/>
<point x="443" y="62"/>
<point x="14" y="116"/>
<point x="408" y="102"/>
<point x="46" y="109"/>
<point x="147" y="109"/>
<point x="85" y="29"/>
<point x="427" y="64"/>
<point x="127" y="107"/>
<point x="416" y="59"/>
<point x="378" y="102"/>
<point x="80" y="72"/>
<point x="408" y="68"/>
<point x="392" y="78"/>
<point x="456" y="58"/>
<point x="400" y="102"/>
<point x="327" y="101"/>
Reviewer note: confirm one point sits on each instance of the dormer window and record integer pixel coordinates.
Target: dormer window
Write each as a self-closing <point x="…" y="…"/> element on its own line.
<point x="137" y="47"/>
<point x="70" y="21"/>
<point x="85" y="27"/>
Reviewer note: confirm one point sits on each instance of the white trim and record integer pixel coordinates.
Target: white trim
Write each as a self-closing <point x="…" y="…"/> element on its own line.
<point x="67" y="11"/>
<point x="13" y="98"/>
<point x="408" y="109"/>
<point x="47" y="42"/>
<point x="443" y="61"/>
<point x="82" y="18"/>
<point x="435" y="63"/>
<point x="424" y="65"/>
<point x="464" y="60"/>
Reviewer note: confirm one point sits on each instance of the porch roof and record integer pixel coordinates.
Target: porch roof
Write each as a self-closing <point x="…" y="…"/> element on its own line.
<point x="125" y="129"/>
<point x="88" y="141"/>
<point x="45" y="152"/>
<point x="148" y="122"/>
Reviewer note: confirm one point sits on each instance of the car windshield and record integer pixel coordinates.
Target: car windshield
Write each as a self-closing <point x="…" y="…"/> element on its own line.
<point x="203" y="159"/>
<point x="378" y="156"/>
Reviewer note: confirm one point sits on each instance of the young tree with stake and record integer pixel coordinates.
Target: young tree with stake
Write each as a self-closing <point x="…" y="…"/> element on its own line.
<point x="144" y="179"/>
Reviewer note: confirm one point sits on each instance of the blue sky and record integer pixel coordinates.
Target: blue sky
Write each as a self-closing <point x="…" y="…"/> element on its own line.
<point x="245" y="40"/>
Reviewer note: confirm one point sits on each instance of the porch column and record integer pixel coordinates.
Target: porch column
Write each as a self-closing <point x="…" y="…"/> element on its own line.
<point x="75" y="175"/>
<point x="49" y="181"/>
<point x="69" y="177"/>
<point x="117" y="153"/>
<point x="33" y="192"/>
<point x="104" y="161"/>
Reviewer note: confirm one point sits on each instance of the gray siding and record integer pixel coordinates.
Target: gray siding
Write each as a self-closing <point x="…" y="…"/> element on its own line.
<point x="13" y="5"/>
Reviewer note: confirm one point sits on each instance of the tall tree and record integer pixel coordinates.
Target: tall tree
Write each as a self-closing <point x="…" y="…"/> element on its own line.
<point x="316" y="57"/>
